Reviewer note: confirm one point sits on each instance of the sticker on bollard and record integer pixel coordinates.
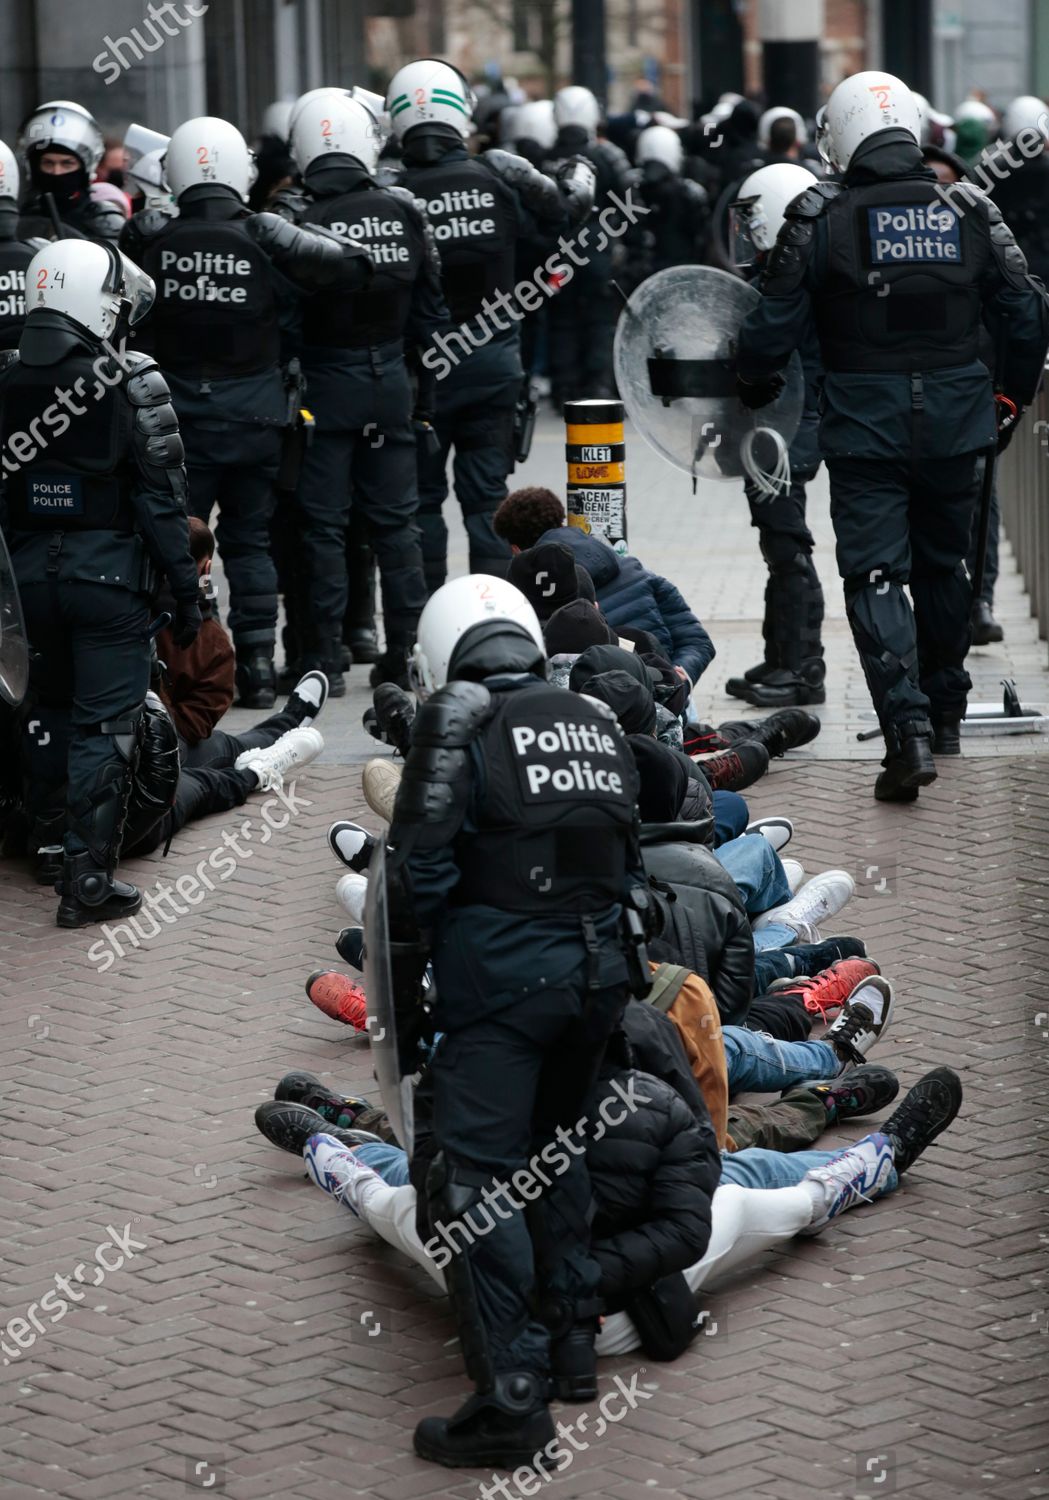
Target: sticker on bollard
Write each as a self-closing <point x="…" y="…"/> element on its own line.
<point x="595" y="451"/>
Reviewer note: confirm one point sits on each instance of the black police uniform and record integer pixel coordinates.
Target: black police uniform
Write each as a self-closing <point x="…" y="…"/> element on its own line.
<point x="897" y="277"/>
<point x="515" y="836"/>
<point x="224" y="278"/>
<point x="677" y="219"/>
<point x="93" y="516"/>
<point x="363" y="452"/>
<point x="479" y="208"/>
<point x="80" y="215"/>
<point x="582" y="317"/>
<point x="15" y="254"/>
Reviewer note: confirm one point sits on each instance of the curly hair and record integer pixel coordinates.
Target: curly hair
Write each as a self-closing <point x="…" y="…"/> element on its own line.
<point x="526" y="514"/>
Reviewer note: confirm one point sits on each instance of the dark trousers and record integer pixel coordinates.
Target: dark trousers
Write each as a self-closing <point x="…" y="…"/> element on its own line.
<point x="502" y="1085"/>
<point x="90" y="666"/>
<point x="245" y="495"/>
<point x="990" y="572"/>
<point x="898" y="522"/>
<point x="793" y="621"/>
<point x="581" y="325"/>
<point x="479" y="426"/>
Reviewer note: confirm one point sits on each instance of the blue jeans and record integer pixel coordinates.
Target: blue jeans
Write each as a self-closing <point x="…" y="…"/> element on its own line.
<point x="755" y="867"/>
<point x="762" y="1065"/>
<point x="757" y="1168"/>
<point x="390" y="1162"/>
<point x="731" y="816"/>
<point x="773" y="936"/>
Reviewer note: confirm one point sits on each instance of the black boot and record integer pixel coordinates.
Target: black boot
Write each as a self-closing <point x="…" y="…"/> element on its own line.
<point x="573" y="1363"/>
<point x="739" y="687"/>
<point x="326" y="656"/>
<point x="46" y="848"/>
<point x="908" y="764"/>
<point x="504" y="1428"/>
<point x="392" y="666"/>
<point x="394" y="715"/>
<point x="986" y="629"/>
<point x="90" y="894"/>
<point x="947" y="734"/>
<point x="358" y="627"/>
<point x="256" y="679"/>
<point x="779" y="733"/>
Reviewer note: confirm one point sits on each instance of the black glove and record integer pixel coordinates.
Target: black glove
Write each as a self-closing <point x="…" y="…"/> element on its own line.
<point x="188" y="620"/>
<point x="755" y="393"/>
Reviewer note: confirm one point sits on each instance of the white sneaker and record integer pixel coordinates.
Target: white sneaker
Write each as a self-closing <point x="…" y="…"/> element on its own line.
<point x="857" y="1175"/>
<point x="778" y="831"/>
<point x="795" y="873"/>
<point x="351" y="893"/>
<point x="296" y="748"/>
<point x="336" y="1170"/>
<point x="819" y="898"/>
<point x="380" y="780"/>
<point x="310" y="693"/>
<point x="864" y="1018"/>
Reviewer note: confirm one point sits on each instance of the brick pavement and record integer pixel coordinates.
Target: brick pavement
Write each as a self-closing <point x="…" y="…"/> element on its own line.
<point x="905" y="1351"/>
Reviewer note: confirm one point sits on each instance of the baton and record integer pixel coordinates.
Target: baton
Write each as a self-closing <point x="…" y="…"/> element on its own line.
<point x="160" y="623"/>
<point x="56" y="222"/>
<point x="987" y="484"/>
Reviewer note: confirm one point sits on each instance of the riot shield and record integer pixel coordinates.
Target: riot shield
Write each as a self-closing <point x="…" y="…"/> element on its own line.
<point x="675" y="364"/>
<point x="14" y="646"/>
<point x="397" y="1095"/>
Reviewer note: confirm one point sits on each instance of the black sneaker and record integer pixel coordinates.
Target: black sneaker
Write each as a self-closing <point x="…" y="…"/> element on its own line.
<point x="732" y="770"/>
<point x="813" y="958"/>
<point x="927" y="1110"/>
<point x="350" y="947"/>
<point x="308" y="697"/>
<point x="307" y="1089"/>
<point x="290" y="1125"/>
<point x="352" y="845"/>
<point x="908" y="765"/>
<point x="394" y="714"/>
<point x="506" y="1428"/>
<point x="863" y="1091"/>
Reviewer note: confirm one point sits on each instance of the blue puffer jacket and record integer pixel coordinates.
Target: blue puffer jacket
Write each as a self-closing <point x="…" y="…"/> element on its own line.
<point x="629" y="595"/>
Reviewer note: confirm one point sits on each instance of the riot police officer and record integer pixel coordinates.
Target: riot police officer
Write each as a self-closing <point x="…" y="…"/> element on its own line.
<point x="15" y="253"/>
<point x="479" y="208"/>
<point x="62" y="146"/>
<point x="514" y="858"/>
<point x="224" y="276"/>
<point x="793" y="670"/>
<point x="674" y="230"/>
<point x="93" y="507"/>
<point x="897" y="273"/>
<point x="582" y="317"/>
<point x="354" y="350"/>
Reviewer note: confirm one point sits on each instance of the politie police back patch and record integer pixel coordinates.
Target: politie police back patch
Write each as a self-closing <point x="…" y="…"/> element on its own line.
<point x="908" y="233"/>
<point x="566" y="760"/>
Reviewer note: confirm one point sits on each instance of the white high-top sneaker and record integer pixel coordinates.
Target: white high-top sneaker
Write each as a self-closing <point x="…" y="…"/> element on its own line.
<point x="293" y="750"/>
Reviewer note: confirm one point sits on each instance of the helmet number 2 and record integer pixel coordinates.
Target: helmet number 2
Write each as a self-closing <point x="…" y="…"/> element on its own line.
<point x="420" y="96"/>
<point x="202" y="156"/>
<point x="326" y="127"/>
<point x="58" y="278"/>
<point x="881" y="93"/>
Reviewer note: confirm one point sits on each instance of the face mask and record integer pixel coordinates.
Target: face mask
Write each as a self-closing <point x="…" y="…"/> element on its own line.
<point x="64" y="187"/>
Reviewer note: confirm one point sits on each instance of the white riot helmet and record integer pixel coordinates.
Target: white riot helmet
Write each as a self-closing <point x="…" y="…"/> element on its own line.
<point x="91" y="283"/>
<point x="576" y="105"/>
<point x="146" y="150"/>
<point x="759" y="208"/>
<point x="931" y="118"/>
<point x="660" y="143"/>
<point x="976" y="109"/>
<point x="862" y="106"/>
<point x="1025" y="113"/>
<point x="333" y="124"/>
<point x="484" y="609"/>
<point x="62" y="125"/>
<point x="9" y="175"/>
<point x="781" y="112"/>
<point x="535" y="122"/>
<point x="277" y="119"/>
<point x="429" y="92"/>
<point x="209" y="151"/>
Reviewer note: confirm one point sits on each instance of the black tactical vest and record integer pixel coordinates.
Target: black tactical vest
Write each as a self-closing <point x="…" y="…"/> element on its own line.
<point x="474" y="220"/>
<point x="14" y="257"/>
<point x="901" y="289"/>
<point x="215" y="316"/>
<point x="66" y="470"/>
<point x="556" y="819"/>
<point x="382" y="224"/>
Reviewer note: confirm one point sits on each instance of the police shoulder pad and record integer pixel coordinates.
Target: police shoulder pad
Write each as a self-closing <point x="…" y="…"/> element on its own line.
<point x="454" y="715"/>
<point x="145" y="384"/>
<point x="813" y="201"/>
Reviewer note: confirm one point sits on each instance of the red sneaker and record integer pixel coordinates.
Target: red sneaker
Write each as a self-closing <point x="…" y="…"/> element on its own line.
<point x="828" y="991"/>
<point x="339" y="997"/>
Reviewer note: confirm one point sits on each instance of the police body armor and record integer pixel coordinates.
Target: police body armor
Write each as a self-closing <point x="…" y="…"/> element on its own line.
<point x="901" y="286"/>
<point x="216" y="314"/>
<point x="82" y="477"/>
<point x="473" y="215"/>
<point x="556" y="820"/>
<point x="376" y="220"/>
<point x="15" y="255"/>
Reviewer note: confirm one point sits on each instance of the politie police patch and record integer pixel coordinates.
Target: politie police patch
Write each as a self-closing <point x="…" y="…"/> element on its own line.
<point x="566" y="759"/>
<point x="909" y="233"/>
<point x="55" y="494"/>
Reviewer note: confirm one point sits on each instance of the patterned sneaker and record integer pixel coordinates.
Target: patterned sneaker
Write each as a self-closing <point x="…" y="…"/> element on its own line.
<point x="862" y="1022"/>
<point x="857" y="1175"/>
<point x="830" y="990"/>
<point x="863" y="1091"/>
<point x="928" y="1109"/>
<point x="336" y="1170"/>
<point x="307" y="1089"/>
<point x="339" y="997"/>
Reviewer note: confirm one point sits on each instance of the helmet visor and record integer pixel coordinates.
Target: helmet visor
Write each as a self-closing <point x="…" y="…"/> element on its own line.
<point x="823" y="136"/>
<point x="137" y="289"/>
<point x="748" y="231"/>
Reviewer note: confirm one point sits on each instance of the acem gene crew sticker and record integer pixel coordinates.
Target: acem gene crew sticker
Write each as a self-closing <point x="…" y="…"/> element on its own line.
<point x="909" y="232"/>
<point x="551" y="761"/>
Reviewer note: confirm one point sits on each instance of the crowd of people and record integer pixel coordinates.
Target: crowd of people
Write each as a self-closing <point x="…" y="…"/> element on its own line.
<point x="579" y="946"/>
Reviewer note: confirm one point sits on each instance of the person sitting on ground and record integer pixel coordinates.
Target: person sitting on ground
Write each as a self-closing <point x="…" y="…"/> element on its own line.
<point x="627" y="593"/>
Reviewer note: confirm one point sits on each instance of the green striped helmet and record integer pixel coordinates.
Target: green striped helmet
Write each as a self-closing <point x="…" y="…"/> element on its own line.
<point x="429" y="92"/>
